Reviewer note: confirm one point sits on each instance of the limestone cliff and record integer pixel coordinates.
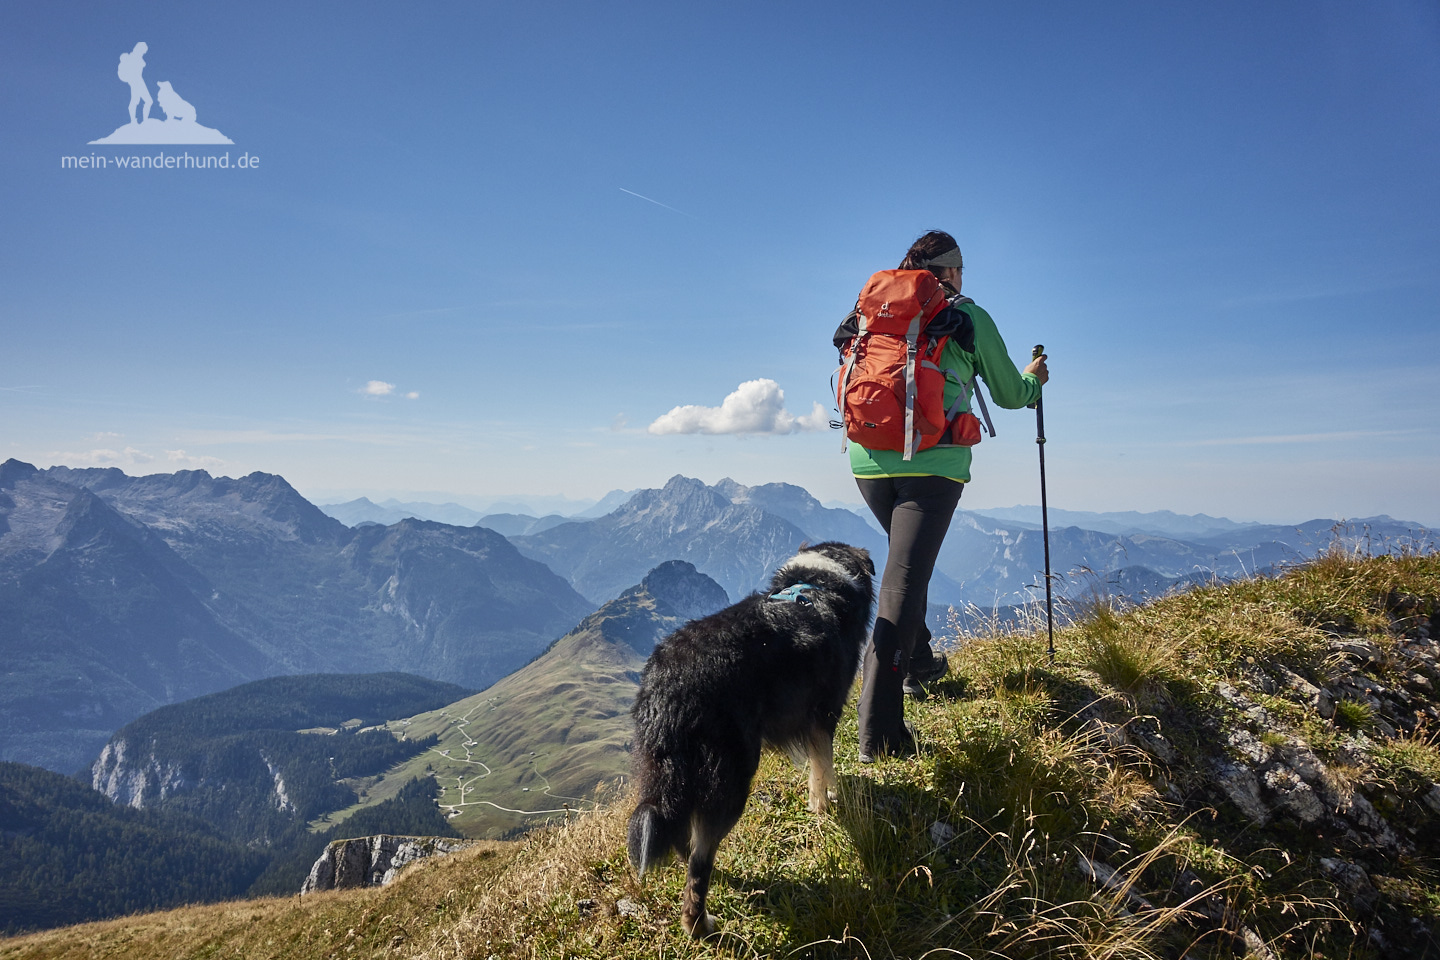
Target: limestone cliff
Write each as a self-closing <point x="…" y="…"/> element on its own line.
<point x="373" y="861"/>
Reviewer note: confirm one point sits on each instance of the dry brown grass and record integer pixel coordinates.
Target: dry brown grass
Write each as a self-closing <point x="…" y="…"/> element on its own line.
<point x="377" y="922"/>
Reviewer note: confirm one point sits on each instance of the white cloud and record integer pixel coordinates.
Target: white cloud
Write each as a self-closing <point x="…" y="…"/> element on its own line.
<point x="756" y="406"/>
<point x="413" y="395"/>
<point x="377" y="388"/>
<point x="131" y="457"/>
<point x="185" y="459"/>
<point x="103" y="457"/>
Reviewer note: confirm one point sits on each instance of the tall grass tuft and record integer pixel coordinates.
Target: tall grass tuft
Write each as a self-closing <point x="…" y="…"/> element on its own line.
<point x="1127" y="657"/>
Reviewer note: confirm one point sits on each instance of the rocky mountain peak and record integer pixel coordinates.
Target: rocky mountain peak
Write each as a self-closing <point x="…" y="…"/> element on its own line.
<point x="681" y="495"/>
<point x="90" y="524"/>
<point x="190" y="479"/>
<point x="734" y="490"/>
<point x="685" y="591"/>
<point x="681" y="485"/>
<point x="12" y="471"/>
<point x="670" y="594"/>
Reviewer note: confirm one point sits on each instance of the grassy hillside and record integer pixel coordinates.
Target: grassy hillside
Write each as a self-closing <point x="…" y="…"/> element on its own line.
<point x="260" y="759"/>
<point x="1249" y="769"/>
<point x="516" y="754"/>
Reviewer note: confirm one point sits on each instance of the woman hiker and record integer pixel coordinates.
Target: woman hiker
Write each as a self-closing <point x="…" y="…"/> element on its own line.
<point x="914" y="500"/>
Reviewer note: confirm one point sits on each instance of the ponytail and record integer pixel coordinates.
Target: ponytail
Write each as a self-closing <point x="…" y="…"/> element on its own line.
<point x="934" y="244"/>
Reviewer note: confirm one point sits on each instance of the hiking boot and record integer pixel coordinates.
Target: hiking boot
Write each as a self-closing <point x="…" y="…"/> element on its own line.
<point x="898" y="749"/>
<point x="934" y="670"/>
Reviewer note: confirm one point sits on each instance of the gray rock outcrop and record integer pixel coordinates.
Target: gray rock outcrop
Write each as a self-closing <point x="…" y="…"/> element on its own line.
<point x="373" y="861"/>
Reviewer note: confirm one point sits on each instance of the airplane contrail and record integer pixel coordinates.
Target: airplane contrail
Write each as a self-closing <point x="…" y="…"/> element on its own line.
<point x="656" y="202"/>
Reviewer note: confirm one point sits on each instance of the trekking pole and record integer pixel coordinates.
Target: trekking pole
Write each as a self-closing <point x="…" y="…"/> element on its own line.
<point x="1036" y="354"/>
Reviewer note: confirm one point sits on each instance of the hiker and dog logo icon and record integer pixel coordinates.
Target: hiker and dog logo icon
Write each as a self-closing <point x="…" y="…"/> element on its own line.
<point x="179" y="125"/>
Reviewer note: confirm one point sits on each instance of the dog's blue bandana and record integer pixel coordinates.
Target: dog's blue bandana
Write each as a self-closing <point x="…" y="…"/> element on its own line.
<point x="794" y="594"/>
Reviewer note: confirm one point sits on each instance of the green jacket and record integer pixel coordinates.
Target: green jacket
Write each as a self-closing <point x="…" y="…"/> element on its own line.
<point x="1008" y="387"/>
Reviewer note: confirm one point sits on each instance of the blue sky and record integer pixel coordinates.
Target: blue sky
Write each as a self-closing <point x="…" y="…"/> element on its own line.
<point x="554" y="223"/>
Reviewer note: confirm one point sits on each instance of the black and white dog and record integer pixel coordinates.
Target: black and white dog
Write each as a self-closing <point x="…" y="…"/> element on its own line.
<point x="774" y="669"/>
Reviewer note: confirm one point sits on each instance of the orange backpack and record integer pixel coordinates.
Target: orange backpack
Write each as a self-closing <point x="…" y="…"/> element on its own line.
<point x="891" y="387"/>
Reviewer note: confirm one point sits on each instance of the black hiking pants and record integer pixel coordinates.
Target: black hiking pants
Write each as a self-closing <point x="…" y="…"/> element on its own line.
<point x="916" y="513"/>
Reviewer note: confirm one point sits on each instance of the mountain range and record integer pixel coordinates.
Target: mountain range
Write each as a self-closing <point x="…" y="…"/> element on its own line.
<point x="352" y="513"/>
<point x="1160" y="523"/>
<point x="1000" y="563"/>
<point x="734" y="534"/>
<point x="120" y="594"/>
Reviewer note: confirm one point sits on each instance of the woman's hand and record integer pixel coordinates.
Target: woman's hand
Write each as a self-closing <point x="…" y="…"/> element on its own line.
<point x="1037" y="367"/>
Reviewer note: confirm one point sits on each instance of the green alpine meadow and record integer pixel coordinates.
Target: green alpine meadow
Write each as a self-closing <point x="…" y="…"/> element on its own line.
<point x="1248" y="769"/>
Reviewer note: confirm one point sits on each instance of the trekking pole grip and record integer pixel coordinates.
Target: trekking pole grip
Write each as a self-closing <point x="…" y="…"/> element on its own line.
<point x="1036" y="354"/>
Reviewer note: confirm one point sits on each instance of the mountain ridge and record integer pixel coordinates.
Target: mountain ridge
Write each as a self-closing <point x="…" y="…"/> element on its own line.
<point x="540" y="741"/>
<point x="119" y="594"/>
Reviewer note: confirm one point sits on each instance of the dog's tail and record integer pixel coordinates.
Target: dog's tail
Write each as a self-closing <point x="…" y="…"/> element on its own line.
<point x="651" y="839"/>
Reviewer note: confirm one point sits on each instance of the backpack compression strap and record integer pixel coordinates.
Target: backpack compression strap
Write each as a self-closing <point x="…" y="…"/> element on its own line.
<point x="850" y="366"/>
<point x="912" y="340"/>
<point x="968" y="389"/>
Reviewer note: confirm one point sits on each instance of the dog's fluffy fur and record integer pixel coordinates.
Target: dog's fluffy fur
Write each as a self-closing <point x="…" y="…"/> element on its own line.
<point x="761" y="672"/>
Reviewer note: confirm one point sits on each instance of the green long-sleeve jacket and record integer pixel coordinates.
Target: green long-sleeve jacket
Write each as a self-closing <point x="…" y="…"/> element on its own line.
<point x="1008" y="387"/>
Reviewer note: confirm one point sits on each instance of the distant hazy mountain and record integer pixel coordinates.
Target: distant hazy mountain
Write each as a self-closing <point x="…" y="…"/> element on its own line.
<point x="548" y="734"/>
<point x="998" y="563"/>
<point x="120" y="594"/>
<point x="100" y="620"/>
<point x="727" y="536"/>
<point x="806" y="513"/>
<point x="392" y="509"/>
<point x="1162" y="523"/>
<point x="737" y="534"/>
<point x="519" y="524"/>
<point x="606" y="504"/>
<point x="355" y="512"/>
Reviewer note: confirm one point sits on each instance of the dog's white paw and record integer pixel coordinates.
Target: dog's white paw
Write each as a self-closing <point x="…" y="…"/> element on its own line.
<point x="821" y="800"/>
<point x="702" y="928"/>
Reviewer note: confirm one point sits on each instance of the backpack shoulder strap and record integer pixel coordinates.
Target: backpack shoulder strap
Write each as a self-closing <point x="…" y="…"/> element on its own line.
<point x="954" y="322"/>
<point x="848" y="328"/>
